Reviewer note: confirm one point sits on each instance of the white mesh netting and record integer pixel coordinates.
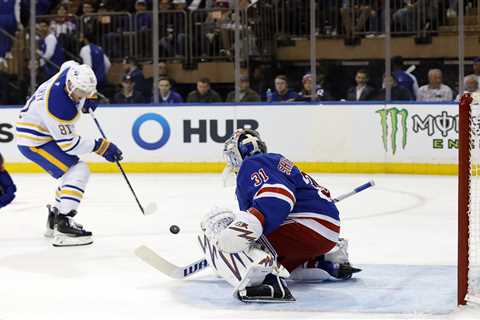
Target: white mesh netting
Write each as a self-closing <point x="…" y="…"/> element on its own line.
<point x="474" y="210"/>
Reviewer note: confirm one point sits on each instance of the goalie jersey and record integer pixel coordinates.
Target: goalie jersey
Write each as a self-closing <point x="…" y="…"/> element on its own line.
<point x="272" y="187"/>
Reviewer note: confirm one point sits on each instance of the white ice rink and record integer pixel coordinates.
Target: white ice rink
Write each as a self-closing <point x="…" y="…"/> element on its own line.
<point x="402" y="233"/>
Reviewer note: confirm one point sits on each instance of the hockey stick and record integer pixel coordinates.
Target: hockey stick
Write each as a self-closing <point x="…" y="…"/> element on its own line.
<point x="151" y="207"/>
<point x="153" y="259"/>
<point x="358" y="189"/>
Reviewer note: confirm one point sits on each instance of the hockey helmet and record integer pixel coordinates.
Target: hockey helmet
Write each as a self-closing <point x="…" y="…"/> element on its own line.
<point x="82" y="80"/>
<point x="243" y="143"/>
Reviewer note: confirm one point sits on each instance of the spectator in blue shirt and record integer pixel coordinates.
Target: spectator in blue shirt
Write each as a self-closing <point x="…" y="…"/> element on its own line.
<point x="9" y="18"/>
<point x="52" y="54"/>
<point x="282" y="93"/>
<point x="7" y="187"/>
<point x="167" y="95"/>
<point x="143" y="19"/>
<point x="128" y="93"/>
<point x="404" y="79"/>
<point x="132" y="68"/>
<point x="93" y="56"/>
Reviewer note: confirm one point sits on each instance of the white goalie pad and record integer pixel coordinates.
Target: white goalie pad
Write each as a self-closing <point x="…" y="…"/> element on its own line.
<point x="241" y="269"/>
<point x="303" y="273"/>
<point x="338" y="255"/>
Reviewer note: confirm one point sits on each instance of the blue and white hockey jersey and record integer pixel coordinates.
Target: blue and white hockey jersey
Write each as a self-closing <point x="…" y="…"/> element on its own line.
<point x="274" y="186"/>
<point x="50" y="115"/>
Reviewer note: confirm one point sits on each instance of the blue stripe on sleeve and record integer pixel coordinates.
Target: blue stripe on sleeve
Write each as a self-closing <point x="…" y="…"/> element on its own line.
<point x="34" y="132"/>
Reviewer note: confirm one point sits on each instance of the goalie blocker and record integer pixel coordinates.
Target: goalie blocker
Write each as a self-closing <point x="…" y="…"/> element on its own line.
<point x="287" y="226"/>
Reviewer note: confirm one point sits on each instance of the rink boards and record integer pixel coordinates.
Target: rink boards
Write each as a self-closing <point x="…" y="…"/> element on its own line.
<point x="374" y="138"/>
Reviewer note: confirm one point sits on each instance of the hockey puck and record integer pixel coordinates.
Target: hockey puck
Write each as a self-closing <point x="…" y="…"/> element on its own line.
<point x="174" y="229"/>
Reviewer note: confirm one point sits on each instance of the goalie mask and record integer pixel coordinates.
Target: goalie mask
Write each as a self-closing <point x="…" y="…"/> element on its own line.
<point x="244" y="143"/>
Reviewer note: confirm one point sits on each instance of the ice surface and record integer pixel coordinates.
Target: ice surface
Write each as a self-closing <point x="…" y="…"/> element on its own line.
<point x="402" y="233"/>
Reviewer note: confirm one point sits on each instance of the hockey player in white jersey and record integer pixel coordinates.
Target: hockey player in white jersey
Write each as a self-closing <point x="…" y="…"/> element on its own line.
<point x="46" y="135"/>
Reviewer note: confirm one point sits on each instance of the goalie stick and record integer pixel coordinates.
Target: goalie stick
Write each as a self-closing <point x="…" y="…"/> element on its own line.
<point x="178" y="272"/>
<point x="153" y="259"/>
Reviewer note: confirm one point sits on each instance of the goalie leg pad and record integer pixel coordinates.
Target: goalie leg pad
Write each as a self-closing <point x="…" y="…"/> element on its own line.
<point x="333" y="265"/>
<point x="242" y="269"/>
<point x="323" y="270"/>
<point x="339" y="254"/>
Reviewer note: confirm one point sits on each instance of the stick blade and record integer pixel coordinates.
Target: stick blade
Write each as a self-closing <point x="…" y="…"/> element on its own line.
<point x="151" y="208"/>
<point x="150" y="257"/>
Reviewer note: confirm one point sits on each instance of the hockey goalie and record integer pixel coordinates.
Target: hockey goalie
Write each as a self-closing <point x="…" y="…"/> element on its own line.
<point x="288" y="226"/>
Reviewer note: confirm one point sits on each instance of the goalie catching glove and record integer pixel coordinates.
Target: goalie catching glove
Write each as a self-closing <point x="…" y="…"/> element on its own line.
<point x="230" y="231"/>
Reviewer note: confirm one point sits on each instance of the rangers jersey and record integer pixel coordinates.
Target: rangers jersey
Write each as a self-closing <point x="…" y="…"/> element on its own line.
<point x="272" y="187"/>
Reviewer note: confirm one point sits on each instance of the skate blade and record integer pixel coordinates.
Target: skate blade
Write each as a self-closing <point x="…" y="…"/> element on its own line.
<point x="66" y="241"/>
<point x="266" y="300"/>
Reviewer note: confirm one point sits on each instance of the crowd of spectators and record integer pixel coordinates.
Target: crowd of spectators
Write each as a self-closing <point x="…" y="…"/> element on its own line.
<point x="104" y="39"/>
<point x="113" y="22"/>
<point x="108" y="20"/>
<point x="403" y="83"/>
<point x="358" y="18"/>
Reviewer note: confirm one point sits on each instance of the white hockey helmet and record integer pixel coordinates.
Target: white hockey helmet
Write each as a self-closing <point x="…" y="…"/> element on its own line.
<point x="82" y="80"/>
<point x="68" y="64"/>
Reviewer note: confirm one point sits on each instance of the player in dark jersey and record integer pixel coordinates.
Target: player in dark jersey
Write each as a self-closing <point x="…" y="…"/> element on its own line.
<point x="7" y="187"/>
<point x="287" y="211"/>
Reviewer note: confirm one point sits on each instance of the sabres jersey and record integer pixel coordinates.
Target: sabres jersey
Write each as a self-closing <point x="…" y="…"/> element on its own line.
<point x="271" y="186"/>
<point x="50" y="115"/>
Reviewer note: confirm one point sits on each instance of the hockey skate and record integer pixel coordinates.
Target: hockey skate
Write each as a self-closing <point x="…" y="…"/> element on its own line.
<point x="336" y="262"/>
<point x="345" y="271"/>
<point x="339" y="271"/>
<point x="273" y="289"/>
<point x="68" y="233"/>
<point x="52" y="212"/>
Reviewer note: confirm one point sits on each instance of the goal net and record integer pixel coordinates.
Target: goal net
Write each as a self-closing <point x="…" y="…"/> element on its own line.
<point x="469" y="200"/>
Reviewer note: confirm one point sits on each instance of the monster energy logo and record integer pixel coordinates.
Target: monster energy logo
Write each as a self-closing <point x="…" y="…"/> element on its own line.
<point x="398" y="117"/>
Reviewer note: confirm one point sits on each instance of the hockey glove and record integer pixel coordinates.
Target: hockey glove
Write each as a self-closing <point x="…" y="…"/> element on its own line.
<point x="6" y="198"/>
<point x="231" y="231"/>
<point x="107" y="150"/>
<point x="90" y="104"/>
<point x="7" y="189"/>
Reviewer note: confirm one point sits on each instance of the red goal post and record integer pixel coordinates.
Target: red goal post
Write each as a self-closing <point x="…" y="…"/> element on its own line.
<point x="469" y="199"/>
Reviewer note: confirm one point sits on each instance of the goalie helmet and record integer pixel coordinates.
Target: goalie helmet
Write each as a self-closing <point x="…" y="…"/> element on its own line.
<point x="82" y="79"/>
<point x="243" y="143"/>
